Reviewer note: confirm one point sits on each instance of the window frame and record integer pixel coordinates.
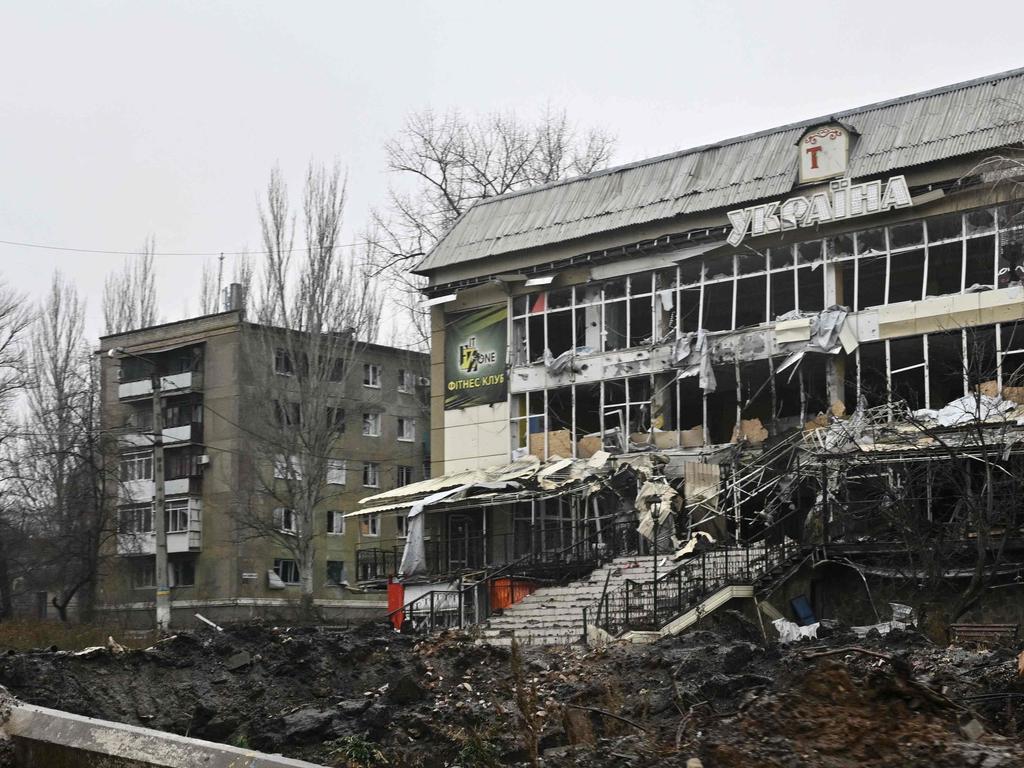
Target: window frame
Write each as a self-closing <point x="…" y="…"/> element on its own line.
<point x="372" y="424"/>
<point x="333" y="518"/>
<point x="369" y="526"/>
<point x="371" y="375"/>
<point x="133" y="459"/>
<point x="374" y="468"/>
<point x="282" y="564"/>
<point x="406" y="429"/>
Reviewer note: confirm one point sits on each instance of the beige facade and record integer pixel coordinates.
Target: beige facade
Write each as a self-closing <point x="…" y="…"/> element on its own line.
<point x="219" y="566"/>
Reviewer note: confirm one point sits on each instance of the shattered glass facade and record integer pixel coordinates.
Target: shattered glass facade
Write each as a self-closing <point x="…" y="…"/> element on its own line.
<point x="730" y="344"/>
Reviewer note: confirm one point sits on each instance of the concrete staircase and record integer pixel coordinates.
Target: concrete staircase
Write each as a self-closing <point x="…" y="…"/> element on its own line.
<point x="554" y="615"/>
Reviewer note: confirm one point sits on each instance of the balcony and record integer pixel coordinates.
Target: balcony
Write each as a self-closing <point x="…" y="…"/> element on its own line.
<point x="144" y="490"/>
<point x="188" y="540"/>
<point x="174" y="382"/>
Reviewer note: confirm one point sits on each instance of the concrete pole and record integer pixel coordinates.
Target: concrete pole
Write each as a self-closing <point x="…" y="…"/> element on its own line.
<point x="163" y="592"/>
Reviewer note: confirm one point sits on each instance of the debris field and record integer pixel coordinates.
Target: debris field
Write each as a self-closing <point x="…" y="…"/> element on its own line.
<point x="718" y="696"/>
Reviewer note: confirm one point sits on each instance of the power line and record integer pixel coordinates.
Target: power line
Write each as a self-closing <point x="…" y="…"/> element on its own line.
<point x="101" y="251"/>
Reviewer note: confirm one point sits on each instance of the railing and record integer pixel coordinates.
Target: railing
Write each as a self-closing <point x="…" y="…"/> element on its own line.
<point x="545" y="554"/>
<point x="474" y="603"/>
<point x="653" y="604"/>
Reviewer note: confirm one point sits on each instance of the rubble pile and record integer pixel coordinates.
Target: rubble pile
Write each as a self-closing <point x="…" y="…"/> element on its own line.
<point x="718" y="696"/>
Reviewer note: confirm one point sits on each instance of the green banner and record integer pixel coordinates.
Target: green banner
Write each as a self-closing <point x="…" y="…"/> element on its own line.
<point x="474" y="358"/>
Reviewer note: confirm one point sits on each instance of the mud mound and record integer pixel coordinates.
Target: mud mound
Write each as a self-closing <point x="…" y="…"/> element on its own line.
<point x="718" y="694"/>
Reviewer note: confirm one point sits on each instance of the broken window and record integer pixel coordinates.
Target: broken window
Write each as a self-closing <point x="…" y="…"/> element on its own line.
<point x="559" y="426"/>
<point x="783" y="296"/>
<point x="336" y="573"/>
<point x="751" y="300"/>
<point x="717" y="313"/>
<point x="814" y="380"/>
<point x="945" y="368"/>
<point x="906" y="276"/>
<point x="1012" y="354"/>
<point x="721" y="405"/>
<point x="811" y="288"/>
<point x="906" y="235"/>
<point x="871" y="280"/>
<point x="907" y="371"/>
<point x="588" y="412"/>
<point x="756" y="391"/>
<point x="981" y="356"/>
<point x="287" y="570"/>
<point x="979" y="267"/>
<point x="181" y="571"/>
<point x="873" y="385"/>
<point x="689" y="309"/>
<point x="616" y="324"/>
<point x="945" y="268"/>
<point x="560" y="331"/>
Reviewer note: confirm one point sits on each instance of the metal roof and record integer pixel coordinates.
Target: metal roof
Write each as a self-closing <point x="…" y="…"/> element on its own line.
<point x="921" y="128"/>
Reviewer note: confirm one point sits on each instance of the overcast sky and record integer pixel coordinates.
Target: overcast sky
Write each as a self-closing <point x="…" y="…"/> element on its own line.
<point x="121" y="119"/>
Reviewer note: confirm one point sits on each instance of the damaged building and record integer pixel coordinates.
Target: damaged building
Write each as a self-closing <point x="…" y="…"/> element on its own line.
<point x="813" y="334"/>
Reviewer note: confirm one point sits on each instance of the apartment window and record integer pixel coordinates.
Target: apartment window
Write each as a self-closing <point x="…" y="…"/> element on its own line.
<point x="336" y="472"/>
<point x="403" y="476"/>
<point x="136" y="519"/>
<point x="176" y="515"/>
<point x="336" y="573"/>
<point x="369" y="525"/>
<point x="143" y="573"/>
<point x="287" y="467"/>
<point x="336" y="418"/>
<point x="181" y="572"/>
<point x="182" y="414"/>
<point x="371" y="424"/>
<point x="426" y="469"/>
<point x="287" y="570"/>
<point x="406" y="381"/>
<point x="371" y="474"/>
<point x="337" y="372"/>
<point x="283" y="364"/>
<point x="371" y="375"/>
<point x="406" y="429"/>
<point x="285" y="520"/>
<point x="137" y="466"/>
<point x="181" y="463"/>
<point x="287" y="414"/>
<point x="401" y="526"/>
<point x="335" y="522"/>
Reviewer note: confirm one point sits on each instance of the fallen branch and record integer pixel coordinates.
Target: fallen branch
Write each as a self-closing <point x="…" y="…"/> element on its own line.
<point x="627" y="721"/>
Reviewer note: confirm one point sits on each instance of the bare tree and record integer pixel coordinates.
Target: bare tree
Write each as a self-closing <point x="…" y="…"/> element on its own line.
<point x="60" y="463"/>
<point x="129" y="295"/>
<point x="447" y="162"/>
<point x="209" y="287"/>
<point x="15" y="319"/>
<point x="315" y="311"/>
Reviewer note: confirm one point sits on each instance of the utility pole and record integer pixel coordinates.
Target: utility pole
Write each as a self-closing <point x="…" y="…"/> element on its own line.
<point x="163" y="591"/>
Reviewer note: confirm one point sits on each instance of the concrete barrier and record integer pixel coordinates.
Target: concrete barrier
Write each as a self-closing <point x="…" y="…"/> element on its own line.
<point x="49" y="737"/>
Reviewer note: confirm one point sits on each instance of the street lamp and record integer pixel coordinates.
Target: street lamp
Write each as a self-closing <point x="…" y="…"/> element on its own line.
<point x="655" y="510"/>
<point x="163" y="591"/>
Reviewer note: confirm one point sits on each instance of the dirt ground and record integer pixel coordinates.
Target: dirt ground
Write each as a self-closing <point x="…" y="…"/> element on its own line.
<point x="371" y="697"/>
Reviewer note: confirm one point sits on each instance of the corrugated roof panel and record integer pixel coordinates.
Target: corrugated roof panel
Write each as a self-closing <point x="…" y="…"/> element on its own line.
<point x="917" y="129"/>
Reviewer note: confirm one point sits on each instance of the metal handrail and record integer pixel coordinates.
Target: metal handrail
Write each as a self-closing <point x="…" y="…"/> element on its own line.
<point x="489" y="579"/>
<point x="687" y="585"/>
